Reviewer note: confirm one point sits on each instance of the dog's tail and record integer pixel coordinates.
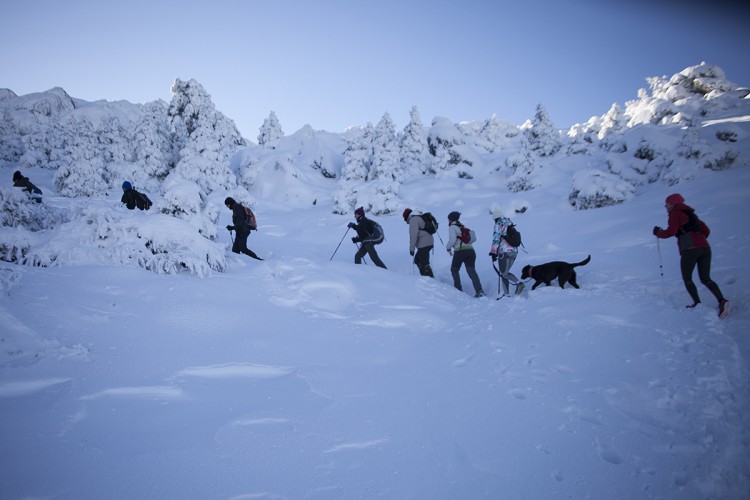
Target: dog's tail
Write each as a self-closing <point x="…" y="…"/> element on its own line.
<point x="583" y="262"/>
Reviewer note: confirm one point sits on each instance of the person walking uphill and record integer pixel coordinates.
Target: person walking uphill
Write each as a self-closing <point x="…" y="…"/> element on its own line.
<point x="421" y="240"/>
<point x="463" y="253"/>
<point x="692" y="242"/>
<point x="244" y="221"/>
<point x="369" y="233"/>
<point x="19" y="180"/>
<point x="504" y="253"/>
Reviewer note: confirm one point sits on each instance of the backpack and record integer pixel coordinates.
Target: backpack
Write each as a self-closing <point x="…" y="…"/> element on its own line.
<point x="377" y="235"/>
<point x="512" y="236"/>
<point x="692" y="225"/>
<point x="142" y="201"/>
<point x="250" y="220"/>
<point x="467" y="236"/>
<point x="430" y="223"/>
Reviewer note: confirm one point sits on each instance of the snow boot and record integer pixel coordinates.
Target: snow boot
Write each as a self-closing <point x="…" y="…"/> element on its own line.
<point x="723" y="308"/>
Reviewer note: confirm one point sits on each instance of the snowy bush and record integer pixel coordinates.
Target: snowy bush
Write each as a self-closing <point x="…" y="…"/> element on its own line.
<point x="185" y="200"/>
<point x="413" y="146"/>
<point x="101" y="236"/>
<point x="18" y="209"/>
<point x="596" y="189"/>
<point x="270" y="131"/>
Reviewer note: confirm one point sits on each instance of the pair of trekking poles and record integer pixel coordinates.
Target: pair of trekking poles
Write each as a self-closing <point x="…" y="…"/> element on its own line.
<point x="340" y="242"/>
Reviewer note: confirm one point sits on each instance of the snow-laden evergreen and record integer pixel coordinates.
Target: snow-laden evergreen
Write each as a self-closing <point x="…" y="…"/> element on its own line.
<point x="142" y="359"/>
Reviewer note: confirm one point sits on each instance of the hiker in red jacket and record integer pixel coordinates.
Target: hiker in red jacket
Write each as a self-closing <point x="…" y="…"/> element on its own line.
<point x="691" y="234"/>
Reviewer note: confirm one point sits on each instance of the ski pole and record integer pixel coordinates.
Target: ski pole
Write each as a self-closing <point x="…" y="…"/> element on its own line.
<point x="661" y="266"/>
<point x="340" y="242"/>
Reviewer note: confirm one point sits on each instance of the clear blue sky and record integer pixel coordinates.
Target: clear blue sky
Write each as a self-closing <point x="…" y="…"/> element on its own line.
<point x="332" y="63"/>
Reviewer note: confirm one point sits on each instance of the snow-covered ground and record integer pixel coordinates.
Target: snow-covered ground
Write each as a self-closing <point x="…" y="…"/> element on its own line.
<point x="309" y="377"/>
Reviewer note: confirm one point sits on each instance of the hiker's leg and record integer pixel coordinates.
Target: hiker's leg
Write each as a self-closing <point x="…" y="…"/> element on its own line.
<point x="704" y="274"/>
<point x="361" y="251"/>
<point x="455" y="268"/>
<point x="687" y="265"/>
<point x="471" y="260"/>
<point x="502" y="264"/>
<point x="240" y="242"/>
<point x="374" y="255"/>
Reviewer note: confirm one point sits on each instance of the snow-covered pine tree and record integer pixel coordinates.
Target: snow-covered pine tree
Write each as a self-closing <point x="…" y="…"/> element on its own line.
<point x="205" y="137"/>
<point x="413" y="146"/>
<point x="270" y="131"/>
<point x="386" y="174"/>
<point x="357" y="162"/>
<point x="542" y="137"/>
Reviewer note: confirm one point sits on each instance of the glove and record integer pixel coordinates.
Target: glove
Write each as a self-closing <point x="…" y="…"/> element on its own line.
<point x="494" y="256"/>
<point x="356" y="239"/>
<point x="656" y="230"/>
<point x="230" y="228"/>
<point x="411" y="252"/>
<point x="351" y="225"/>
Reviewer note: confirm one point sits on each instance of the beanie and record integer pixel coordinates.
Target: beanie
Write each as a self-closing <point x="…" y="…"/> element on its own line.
<point x="360" y="212"/>
<point x="406" y="213"/>
<point x="126" y="185"/>
<point x="454" y="216"/>
<point x="229" y="202"/>
<point x="675" y="199"/>
<point x="496" y="213"/>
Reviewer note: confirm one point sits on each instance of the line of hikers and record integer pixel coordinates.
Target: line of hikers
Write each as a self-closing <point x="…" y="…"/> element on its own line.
<point x="423" y="227"/>
<point x="691" y="233"/>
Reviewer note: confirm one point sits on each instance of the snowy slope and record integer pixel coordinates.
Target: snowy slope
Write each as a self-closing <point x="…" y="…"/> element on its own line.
<point x="302" y="377"/>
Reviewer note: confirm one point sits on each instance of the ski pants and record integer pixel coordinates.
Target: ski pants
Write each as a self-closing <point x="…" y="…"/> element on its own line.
<point x="702" y="258"/>
<point x="369" y="249"/>
<point x="422" y="260"/>
<point x="468" y="257"/>
<point x="504" y="263"/>
<point x="240" y="245"/>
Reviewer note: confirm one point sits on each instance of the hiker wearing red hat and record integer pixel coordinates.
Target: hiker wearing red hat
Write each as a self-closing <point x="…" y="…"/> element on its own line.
<point x="692" y="242"/>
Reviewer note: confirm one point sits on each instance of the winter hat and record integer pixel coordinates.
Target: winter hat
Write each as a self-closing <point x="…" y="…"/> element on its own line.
<point x="229" y="202"/>
<point x="17" y="175"/>
<point x="454" y="216"/>
<point x="496" y="213"/>
<point x="675" y="199"/>
<point x="407" y="212"/>
<point x="360" y="212"/>
<point x="126" y="185"/>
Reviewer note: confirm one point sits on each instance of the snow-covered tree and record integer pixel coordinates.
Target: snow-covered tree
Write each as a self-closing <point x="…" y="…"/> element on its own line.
<point x="206" y="138"/>
<point x="270" y="131"/>
<point x="413" y="145"/>
<point x="542" y="137"/>
<point x="357" y="162"/>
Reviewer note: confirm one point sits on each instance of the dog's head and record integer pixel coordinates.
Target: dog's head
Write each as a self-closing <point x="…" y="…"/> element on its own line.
<point x="526" y="272"/>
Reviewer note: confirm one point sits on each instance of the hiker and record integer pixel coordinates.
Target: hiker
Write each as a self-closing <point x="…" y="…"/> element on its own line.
<point x="420" y="239"/>
<point x="503" y="253"/>
<point x="23" y="182"/>
<point x="243" y="220"/>
<point x="132" y="198"/>
<point x="463" y="253"/>
<point x="369" y="233"/>
<point x="692" y="243"/>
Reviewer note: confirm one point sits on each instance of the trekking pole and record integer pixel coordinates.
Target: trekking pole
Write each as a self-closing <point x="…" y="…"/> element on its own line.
<point x="340" y="242"/>
<point x="661" y="266"/>
<point x="231" y="237"/>
<point x="363" y="257"/>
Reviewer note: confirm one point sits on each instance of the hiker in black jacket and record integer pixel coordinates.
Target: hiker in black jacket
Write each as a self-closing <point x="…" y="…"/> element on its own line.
<point x="23" y="182"/>
<point x="242" y="225"/>
<point x="369" y="233"/>
<point x="132" y="198"/>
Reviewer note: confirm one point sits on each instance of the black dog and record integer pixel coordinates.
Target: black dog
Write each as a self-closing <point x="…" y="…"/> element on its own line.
<point x="545" y="273"/>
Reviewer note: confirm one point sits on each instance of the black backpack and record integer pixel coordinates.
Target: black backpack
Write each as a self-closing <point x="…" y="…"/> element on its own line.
<point x="512" y="236"/>
<point x="430" y="223"/>
<point x="142" y="201"/>
<point x="378" y="235"/>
